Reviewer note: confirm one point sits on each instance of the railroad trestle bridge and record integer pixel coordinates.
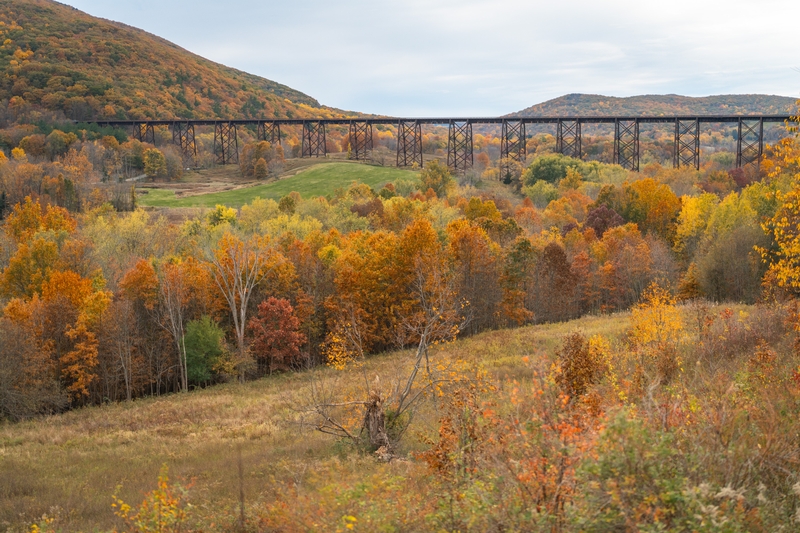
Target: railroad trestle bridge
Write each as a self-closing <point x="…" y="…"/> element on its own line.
<point x="686" y="147"/>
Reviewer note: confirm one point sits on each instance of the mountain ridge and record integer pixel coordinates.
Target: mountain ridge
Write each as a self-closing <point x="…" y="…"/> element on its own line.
<point x="576" y="104"/>
<point x="57" y="58"/>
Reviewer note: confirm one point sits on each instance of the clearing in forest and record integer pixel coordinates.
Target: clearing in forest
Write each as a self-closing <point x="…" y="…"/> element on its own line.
<point x="318" y="180"/>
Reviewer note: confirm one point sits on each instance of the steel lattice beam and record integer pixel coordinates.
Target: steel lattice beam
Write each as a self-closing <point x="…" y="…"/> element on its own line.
<point x="513" y="146"/>
<point x="687" y="143"/>
<point x="513" y="141"/>
<point x="750" y="143"/>
<point x="626" y="144"/>
<point x="183" y="137"/>
<point x="360" y="139"/>
<point x="226" y="145"/>
<point x="568" y="138"/>
<point x="409" y="144"/>
<point x="144" y="132"/>
<point x="459" y="146"/>
<point x="314" y="139"/>
<point x="270" y="132"/>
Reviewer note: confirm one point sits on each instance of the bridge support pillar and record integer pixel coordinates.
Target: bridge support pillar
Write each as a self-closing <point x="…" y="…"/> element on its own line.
<point x="360" y="139"/>
<point x="144" y="132"/>
<point x="687" y="143"/>
<point x="750" y="143"/>
<point x="626" y="144"/>
<point x="226" y="145"/>
<point x="183" y="137"/>
<point x="512" y="147"/>
<point x="568" y="138"/>
<point x="270" y="132"/>
<point x="409" y="144"/>
<point x="513" y="141"/>
<point x="314" y="144"/>
<point x="459" y="147"/>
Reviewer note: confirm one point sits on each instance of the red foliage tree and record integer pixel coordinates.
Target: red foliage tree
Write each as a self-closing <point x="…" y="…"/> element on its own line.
<point x="277" y="340"/>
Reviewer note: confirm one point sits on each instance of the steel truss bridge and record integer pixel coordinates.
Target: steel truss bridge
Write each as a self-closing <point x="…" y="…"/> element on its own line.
<point x="686" y="148"/>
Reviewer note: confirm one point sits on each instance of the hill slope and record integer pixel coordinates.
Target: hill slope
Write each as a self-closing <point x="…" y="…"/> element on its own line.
<point x="57" y="58"/>
<point x="661" y="105"/>
<point x="73" y="462"/>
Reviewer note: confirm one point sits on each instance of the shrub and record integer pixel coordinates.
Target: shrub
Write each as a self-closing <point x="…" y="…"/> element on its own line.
<point x="163" y="510"/>
<point x="657" y="329"/>
<point x="581" y="363"/>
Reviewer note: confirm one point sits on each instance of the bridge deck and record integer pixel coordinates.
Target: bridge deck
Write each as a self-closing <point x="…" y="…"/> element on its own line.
<point x="445" y="121"/>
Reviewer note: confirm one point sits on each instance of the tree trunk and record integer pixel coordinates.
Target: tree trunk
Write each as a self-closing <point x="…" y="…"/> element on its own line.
<point x="375" y="422"/>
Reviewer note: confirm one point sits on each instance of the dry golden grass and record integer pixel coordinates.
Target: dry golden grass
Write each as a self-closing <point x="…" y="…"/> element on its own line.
<point x="71" y="464"/>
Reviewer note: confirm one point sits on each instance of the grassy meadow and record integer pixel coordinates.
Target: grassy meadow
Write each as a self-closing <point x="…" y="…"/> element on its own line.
<point x="70" y="465"/>
<point x="318" y="180"/>
<point x="716" y="444"/>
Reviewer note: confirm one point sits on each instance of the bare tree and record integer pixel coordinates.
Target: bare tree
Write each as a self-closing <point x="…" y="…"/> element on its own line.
<point x="437" y="316"/>
<point x="237" y="267"/>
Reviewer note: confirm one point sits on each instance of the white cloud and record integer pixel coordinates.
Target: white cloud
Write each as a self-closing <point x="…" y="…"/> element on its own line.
<point x="482" y="57"/>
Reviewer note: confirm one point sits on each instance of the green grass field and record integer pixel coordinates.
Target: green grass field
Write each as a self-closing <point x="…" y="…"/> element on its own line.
<point x="318" y="180"/>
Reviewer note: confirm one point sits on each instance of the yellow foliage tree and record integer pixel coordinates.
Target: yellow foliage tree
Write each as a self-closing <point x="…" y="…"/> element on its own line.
<point x="784" y="227"/>
<point x="656" y="331"/>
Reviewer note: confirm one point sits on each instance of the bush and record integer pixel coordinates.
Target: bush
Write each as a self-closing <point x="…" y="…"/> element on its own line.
<point x="582" y="363"/>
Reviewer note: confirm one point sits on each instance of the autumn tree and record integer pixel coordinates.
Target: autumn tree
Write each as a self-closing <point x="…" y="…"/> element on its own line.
<point x="550" y="168"/>
<point x="29" y="218"/>
<point x="552" y="297"/>
<point x="260" y="169"/>
<point x="437" y="177"/>
<point x="204" y="346"/>
<point x="477" y="271"/>
<point x="656" y="331"/>
<point x="516" y="282"/>
<point x="624" y="266"/>
<point x="602" y="218"/>
<point x="237" y="267"/>
<point x="140" y="286"/>
<point x="260" y="159"/>
<point x="28" y="380"/>
<point x="66" y="318"/>
<point x="784" y="228"/>
<point x="155" y="164"/>
<point x="173" y="297"/>
<point x="652" y="205"/>
<point x="276" y="336"/>
<point x="119" y="340"/>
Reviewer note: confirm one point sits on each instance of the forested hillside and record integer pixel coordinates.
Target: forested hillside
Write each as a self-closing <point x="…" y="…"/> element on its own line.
<point x="56" y="58"/>
<point x="661" y="105"/>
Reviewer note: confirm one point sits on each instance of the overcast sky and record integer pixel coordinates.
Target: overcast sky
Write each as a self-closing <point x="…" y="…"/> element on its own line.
<point x="483" y="57"/>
